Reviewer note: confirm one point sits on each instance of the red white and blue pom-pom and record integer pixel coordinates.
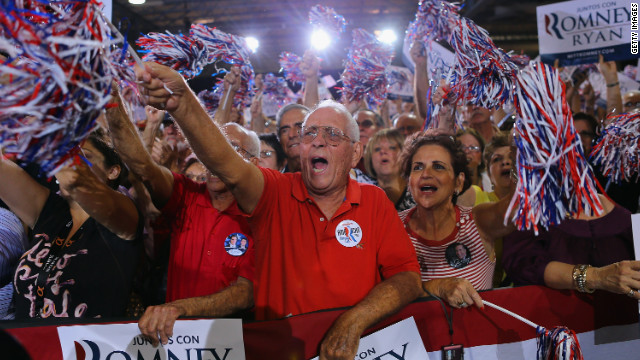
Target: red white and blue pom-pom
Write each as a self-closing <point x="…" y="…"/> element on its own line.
<point x="434" y="20"/>
<point x="185" y="54"/>
<point x="290" y="65"/>
<point x="364" y="75"/>
<point x="276" y="89"/>
<point x="483" y="74"/>
<point x="231" y="49"/>
<point x="326" y="18"/>
<point x="57" y="79"/>
<point x="203" y="46"/>
<point x="554" y="178"/>
<point x="210" y="99"/>
<point x="560" y="343"/>
<point x="522" y="60"/>
<point x="617" y="149"/>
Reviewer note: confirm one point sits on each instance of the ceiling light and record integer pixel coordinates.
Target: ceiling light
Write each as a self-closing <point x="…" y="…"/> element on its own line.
<point x="387" y="36"/>
<point x="252" y="43"/>
<point x="320" y="39"/>
<point x="136" y="2"/>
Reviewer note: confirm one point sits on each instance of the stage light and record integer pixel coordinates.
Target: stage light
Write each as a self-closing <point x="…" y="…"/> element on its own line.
<point x="252" y="43"/>
<point x="320" y="40"/>
<point x="136" y="2"/>
<point x="387" y="36"/>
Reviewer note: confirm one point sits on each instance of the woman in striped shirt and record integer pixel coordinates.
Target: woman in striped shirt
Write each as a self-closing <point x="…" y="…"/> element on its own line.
<point x="454" y="244"/>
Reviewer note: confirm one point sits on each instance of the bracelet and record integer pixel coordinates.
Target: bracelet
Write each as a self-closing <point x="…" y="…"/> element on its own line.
<point x="614" y="84"/>
<point x="580" y="278"/>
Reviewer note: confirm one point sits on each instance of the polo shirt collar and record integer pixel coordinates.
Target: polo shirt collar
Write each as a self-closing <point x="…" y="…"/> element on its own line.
<point x="205" y="202"/>
<point x="300" y="193"/>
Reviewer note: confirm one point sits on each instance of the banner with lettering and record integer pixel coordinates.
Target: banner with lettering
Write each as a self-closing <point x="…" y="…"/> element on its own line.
<point x="398" y="341"/>
<point x="577" y="32"/>
<point x="219" y="339"/>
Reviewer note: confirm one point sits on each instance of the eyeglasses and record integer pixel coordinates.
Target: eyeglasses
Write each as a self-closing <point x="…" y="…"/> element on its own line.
<point x="471" y="148"/>
<point x="242" y="151"/>
<point x="286" y="129"/>
<point x="265" y="154"/>
<point x="365" y="123"/>
<point x="197" y="178"/>
<point x="331" y="135"/>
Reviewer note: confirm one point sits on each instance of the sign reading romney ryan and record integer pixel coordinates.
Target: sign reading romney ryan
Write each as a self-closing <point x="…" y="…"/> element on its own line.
<point x="577" y="32"/>
<point x="219" y="339"/>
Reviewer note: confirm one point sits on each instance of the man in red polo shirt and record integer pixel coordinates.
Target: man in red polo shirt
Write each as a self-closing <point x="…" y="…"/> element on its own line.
<point x="323" y="240"/>
<point x="205" y="258"/>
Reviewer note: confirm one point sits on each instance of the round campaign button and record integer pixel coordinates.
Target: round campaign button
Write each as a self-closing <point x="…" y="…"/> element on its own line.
<point x="348" y="233"/>
<point x="236" y="244"/>
<point x="458" y="255"/>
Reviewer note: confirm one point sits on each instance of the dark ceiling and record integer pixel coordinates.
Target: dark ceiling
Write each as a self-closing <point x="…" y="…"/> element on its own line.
<point x="282" y="25"/>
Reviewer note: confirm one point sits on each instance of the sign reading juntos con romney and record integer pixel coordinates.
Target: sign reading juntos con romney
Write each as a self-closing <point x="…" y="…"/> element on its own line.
<point x="577" y="32"/>
<point x="219" y="339"/>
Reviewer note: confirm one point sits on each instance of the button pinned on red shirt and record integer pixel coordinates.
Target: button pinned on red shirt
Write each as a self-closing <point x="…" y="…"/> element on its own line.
<point x="236" y="244"/>
<point x="348" y="233"/>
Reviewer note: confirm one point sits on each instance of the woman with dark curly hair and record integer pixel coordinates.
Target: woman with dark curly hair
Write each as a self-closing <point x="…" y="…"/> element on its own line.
<point x="454" y="244"/>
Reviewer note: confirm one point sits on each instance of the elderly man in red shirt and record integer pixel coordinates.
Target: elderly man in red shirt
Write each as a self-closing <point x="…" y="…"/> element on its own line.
<point x="322" y="240"/>
<point x="204" y="221"/>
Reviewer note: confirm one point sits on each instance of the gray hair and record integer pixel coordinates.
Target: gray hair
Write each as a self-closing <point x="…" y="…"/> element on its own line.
<point x="253" y="143"/>
<point x="286" y="109"/>
<point x="352" y="130"/>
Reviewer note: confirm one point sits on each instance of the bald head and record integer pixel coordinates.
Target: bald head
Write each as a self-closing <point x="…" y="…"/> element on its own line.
<point x="631" y="101"/>
<point x="247" y="140"/>
<point x="407" y="124"/>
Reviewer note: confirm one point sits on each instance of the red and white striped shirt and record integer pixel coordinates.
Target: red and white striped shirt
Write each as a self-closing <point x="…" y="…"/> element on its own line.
<point x="450" y="257"/>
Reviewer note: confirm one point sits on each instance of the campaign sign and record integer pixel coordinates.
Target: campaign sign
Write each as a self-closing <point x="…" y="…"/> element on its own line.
<point x="440" y="60"/>
<point x="398" y="341"/>
<point x="577" y="32"/>
<point x="400" y="82"/>
<point x="219" y="339"/>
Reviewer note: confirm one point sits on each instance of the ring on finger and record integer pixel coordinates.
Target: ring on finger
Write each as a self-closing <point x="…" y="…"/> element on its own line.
<point x="631" y="293"/>
<point x="462" y="304"/>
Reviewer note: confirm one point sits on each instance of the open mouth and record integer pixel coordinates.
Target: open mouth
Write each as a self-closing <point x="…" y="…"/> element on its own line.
<point x="428" y="189"/>
<point x="506" y="173"/>
<point x="319" y="164"/>
<point x="385" y="161"/>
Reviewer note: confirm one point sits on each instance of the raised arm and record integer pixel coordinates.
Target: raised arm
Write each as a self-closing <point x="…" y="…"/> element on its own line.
<point x="614" y="97"/>
<point x="154" y="119"/>
<point x="243" y="179"/>
<point x="420" y="79"/>
<point x="257" y="117"/>
<point x="489" y="218"/>
<point x="112" y="209"/>
<point x="24" y="196"/>
<point x="388" y="297"/>
<point x="157" y="321"/>
<point x="309" y="67"/>
<point x="157" y="179"/>
<point x="231" y="85"/>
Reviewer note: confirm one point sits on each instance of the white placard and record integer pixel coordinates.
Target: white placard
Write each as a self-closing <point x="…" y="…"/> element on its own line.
<point x="577" y="32"/>
<point x="398" y="341"/>
<point x="439" y="60"/>
<point x="192" y="339"/>
<point x="403" y="82"/>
